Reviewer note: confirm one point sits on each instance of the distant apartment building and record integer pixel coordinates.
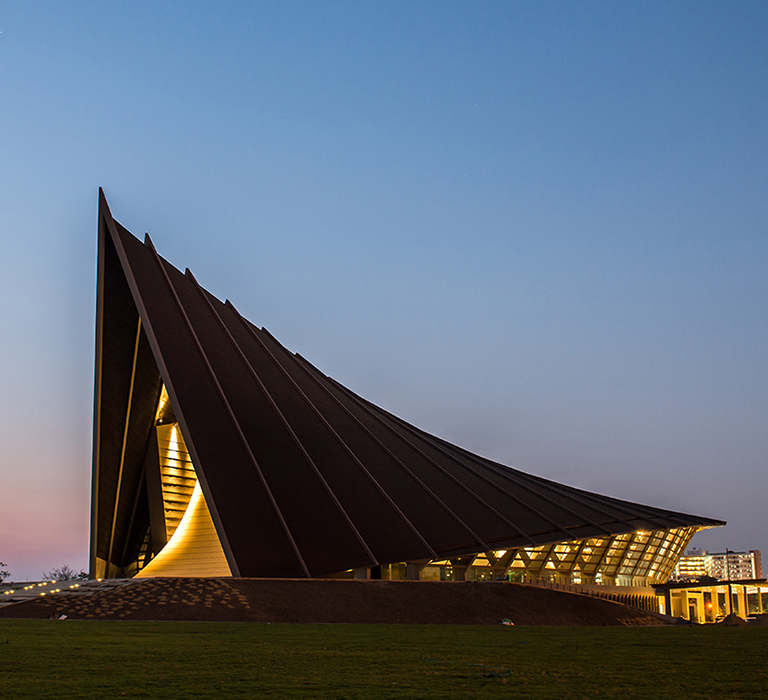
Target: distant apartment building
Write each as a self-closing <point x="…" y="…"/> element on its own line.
<point x="723" y="566"/>
<point x="692" y="566"/>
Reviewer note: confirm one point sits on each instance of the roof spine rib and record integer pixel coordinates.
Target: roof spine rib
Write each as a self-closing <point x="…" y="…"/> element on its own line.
<point x="230" y="412"/>
<point x="389" y="452"/>
<point x="649" y="513"/>
<point x="522" y="485"/>
<point x="283" y="419"/>
<point x="589" y="500"/>
<point x="447" y="454"/>
<point x="340" y="440"/>
<point x="444" y="471"/>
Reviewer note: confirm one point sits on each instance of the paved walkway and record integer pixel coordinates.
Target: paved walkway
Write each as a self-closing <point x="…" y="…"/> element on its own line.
<point x="28" y="590"/>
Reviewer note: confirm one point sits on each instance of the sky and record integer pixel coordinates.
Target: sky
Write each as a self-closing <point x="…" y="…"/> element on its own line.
<point x="537" y="230"/>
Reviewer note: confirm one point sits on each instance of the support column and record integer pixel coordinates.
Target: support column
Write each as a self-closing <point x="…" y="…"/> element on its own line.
<point x="744" y="602"/>
<point x="459" y="573"/>
<point x="460" y="566"/>
<point x="413" y="569"/>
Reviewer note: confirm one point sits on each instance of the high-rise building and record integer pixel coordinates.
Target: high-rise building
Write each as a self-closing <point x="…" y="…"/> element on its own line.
<point x="691" y="567"/>
<point x="722" y="566"/>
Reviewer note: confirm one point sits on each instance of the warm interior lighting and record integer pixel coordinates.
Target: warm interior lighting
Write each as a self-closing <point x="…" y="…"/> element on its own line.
<point x="639" y="558"/>
<point x="192" y="544"/>
<point x="177" y="475"/>
<point x="194" y="549"/>
<point x="162" y="405"/>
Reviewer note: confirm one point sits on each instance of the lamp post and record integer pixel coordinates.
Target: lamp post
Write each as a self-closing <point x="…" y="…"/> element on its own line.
<point x="728" y="578"/>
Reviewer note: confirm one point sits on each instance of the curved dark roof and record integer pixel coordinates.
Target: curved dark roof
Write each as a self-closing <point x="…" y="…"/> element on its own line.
<point x="302" y="476"/>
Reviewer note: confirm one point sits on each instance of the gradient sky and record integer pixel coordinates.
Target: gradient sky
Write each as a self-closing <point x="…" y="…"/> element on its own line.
<point x="537" y="230"/>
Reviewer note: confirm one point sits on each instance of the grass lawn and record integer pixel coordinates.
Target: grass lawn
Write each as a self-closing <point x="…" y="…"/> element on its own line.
<point x="103" y="659"/>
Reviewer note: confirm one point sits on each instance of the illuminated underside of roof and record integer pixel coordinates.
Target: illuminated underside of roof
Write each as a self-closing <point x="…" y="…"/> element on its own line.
<point x="296" y="475"/>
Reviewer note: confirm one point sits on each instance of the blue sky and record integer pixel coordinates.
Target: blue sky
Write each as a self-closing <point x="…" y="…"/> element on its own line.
<point x="535" y="229"/>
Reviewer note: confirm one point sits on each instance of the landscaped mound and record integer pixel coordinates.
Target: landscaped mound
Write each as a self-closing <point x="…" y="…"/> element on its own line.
<point x="733" y="620"/>
<point x="314" y="600"/>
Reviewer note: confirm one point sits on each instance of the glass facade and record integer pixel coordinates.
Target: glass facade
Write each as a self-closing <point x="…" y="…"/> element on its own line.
<point x="636" y="559"/>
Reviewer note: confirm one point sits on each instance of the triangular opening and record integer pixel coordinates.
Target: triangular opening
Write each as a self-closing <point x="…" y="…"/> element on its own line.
<point x="179" y="514"/>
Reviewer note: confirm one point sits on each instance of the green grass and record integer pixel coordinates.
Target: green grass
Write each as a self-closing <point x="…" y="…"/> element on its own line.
<point x="69" y="659"/>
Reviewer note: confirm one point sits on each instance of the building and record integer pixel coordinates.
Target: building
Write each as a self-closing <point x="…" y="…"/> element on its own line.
<point x="757" y="557"/>
<point x="711" y="602"/>
<point x="691" y="567"/>
<point x="734" y="566"/>
<point x="721" y="566"/>
<point x="217" y="452"/>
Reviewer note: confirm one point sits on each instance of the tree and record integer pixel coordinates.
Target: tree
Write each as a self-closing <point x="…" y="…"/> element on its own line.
<point x="65" y="573"/>
<point x="4" y="573"/>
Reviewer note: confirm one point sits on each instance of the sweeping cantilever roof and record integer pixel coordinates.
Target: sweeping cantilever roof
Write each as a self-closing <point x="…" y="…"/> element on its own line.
<point x="302" y="477"/>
